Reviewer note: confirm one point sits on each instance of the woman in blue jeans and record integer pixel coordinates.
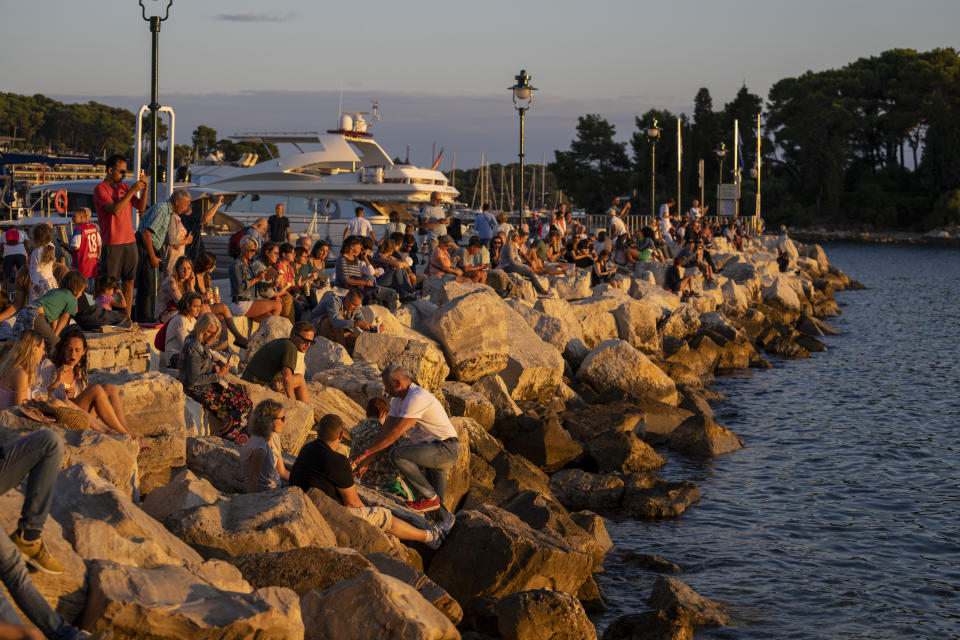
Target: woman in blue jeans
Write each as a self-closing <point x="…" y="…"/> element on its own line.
<point x="36" y="456"/>
<point x="511" y="263"/>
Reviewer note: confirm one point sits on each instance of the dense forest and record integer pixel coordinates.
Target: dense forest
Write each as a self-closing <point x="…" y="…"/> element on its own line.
<point x="873" y="144"/>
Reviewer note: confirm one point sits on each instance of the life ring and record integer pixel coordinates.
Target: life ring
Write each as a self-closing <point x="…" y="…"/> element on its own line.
<point x="330" y="208"/>
<point x="60" y="201"/>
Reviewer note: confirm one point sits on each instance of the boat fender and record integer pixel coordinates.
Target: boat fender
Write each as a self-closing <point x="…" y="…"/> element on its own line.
<point x="60" y="201"/>
<point x="330" y="208"/>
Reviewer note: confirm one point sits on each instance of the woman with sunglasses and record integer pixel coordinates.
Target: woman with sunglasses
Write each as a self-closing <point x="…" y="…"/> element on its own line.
<point x="261" y="457"/>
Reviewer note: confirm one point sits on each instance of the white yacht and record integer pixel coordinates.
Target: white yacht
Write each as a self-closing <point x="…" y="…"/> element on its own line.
<point x="318" y="187"/>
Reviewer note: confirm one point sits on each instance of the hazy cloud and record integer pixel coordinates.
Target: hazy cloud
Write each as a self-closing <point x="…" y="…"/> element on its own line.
<point x="255" y="17"/>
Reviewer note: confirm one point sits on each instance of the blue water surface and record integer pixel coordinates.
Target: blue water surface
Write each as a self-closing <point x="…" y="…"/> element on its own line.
<point x="839" y="517"/>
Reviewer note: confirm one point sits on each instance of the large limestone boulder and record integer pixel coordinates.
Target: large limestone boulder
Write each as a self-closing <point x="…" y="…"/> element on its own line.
<point x="373" y="605"/>
<point x="572" y="287"/>
<point x="218" y="461"/>
<point x="817" y="253"/>
<point x="611" y="435"/>
<point x="464" y="401"/>
<point x="783" y="297"/>
<point x="515" y="558"/>
<point x="185" y="491"/>
<point x="539" y="438"/>
<point x="381" y="316"/>
<point x="170" y="602"/>
<point x="441" y="290"/>
<point x="152" y="401"/>
<point x="102" y="523"/>
<point x="473" y="333"/>
<point x="658" y="296"/>
<point x="651" y="625"/>
<point x="534" y="368"/>
<point x="458" y="476"/>
<point x="114" y="457"/>
<point x="494" y="389"/>
<point x="360" y="381"/>
<point x="270" y="329"/>
<point x="66" y="592"/>
<point x="301" y="569"/>
<point x="161" y="459"/>
<point x="596" y="318"/>
<point x="126" y="349"/>
<point x="677" y="599"/>
<point x="496" y="474"/>
<point x="560" y="327"/>
<point x="542" y="614"/>
<point x="614" y="364"/>
<point x="325" y="399"/>
<point x="579" y="489"/>
<point x="660" y="499"/>
<point x="657" y="270"/>
<point x="275" y="520"/>
<point x="324" y="354"/>
<point x="426" y="587"/>
<point x="546" y="514"/>
<point x="701" y="437"/>
<point x="422" y="360"/>
<point x="682" y="323"/>
<point x="637" y="324"/>
<point x="356" y="533"/>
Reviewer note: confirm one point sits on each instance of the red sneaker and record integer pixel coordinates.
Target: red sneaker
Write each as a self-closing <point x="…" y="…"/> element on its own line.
<point x="424" y="504"/>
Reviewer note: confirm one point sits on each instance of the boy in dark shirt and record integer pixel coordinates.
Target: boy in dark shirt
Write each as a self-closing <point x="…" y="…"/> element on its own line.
<point x="319" y="466"/>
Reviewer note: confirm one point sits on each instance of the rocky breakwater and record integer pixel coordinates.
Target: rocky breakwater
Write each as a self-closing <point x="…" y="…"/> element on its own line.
<point x="564" y="408"/>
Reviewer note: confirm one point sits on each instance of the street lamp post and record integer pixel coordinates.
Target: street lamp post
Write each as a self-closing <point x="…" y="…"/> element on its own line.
<point x="154" y="98"/>
<point x="522" y="93"/>
<point x="653" y="134"/>
<point x="721" y="154"/>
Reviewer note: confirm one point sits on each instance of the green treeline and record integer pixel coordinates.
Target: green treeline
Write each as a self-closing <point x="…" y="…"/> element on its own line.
<point x="46" y="124"/>
<point x="874" y="144"/>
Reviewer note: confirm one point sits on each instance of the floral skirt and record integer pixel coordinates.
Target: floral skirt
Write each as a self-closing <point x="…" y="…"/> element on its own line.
<point x="229" y="402"/>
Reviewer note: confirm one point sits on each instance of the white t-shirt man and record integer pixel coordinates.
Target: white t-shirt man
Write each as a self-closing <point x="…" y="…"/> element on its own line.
<point x="431" y="212"/>
<point x="664" y="211"/>
<point x="695" y="213"/>
<point x="432" y="420"/>
<point x="359" y="226"/>
<point x="617" y="226"/>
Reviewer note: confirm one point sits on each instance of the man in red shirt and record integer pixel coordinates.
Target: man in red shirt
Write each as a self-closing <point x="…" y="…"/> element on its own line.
<point x="85" y="243"/>
<point x="113" y="200"/>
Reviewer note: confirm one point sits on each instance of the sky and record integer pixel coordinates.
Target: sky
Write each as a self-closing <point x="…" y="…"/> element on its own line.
<point x="440" y="70"/>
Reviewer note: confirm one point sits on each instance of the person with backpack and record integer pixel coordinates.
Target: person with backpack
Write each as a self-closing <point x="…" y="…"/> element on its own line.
<point x="14" y="255"/>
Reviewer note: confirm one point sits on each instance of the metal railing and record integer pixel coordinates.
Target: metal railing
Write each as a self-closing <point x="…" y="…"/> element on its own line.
<point x="599" y="222"/>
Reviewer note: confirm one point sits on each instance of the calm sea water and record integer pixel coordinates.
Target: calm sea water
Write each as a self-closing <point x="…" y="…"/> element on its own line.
<point x="840" y="518"/>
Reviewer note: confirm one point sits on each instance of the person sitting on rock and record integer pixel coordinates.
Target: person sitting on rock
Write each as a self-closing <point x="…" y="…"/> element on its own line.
<point x="189" y="309"/>
<point x="202" y="376"/>
<point x="37" y="458"/>
<point x="338" y="318"/>
<point x="783" y="260"/>
<point x="280" y="364"/>
<point x="249" y="292"/>
<point x="320" y="466"/>
<point x="440" y="265"/>
<point x="381" y="472"/>
<point x="511" y="263"/>
<point x="397" y="273"/>
<point x="19" y="369"/>
<point x="605" y="271"/>
<point x="50" y="313"/>
<point x="677" y="282"/>
<point x="470" y="260"/>
<point x="261" y="457"/>
<point x="433" y="441"/>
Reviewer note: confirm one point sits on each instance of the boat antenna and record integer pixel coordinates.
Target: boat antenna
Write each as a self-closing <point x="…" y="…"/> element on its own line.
<point x="340" y="103"/>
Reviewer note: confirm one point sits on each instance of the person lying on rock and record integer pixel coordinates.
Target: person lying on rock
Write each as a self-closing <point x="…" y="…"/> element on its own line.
<point x="261" y="457"/>
<point x="279" y="363"/>
<point x="433" y="443"/>
<point x="320" y="466"/>
<point x="381" y="472"/>
<point x="338" y="318"/>
<point x="35" y="457"/>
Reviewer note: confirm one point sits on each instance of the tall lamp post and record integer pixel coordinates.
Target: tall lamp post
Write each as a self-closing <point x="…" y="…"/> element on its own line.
<point x="653" y="134"/>
<point x="154" y="105"/>
<point x="721" y="153"/>
<point x="522" y="93"/>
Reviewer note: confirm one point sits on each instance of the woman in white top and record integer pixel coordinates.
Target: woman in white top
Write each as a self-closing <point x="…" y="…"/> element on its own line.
<point x="261" y="457"/>
<point x="188" y="310"/>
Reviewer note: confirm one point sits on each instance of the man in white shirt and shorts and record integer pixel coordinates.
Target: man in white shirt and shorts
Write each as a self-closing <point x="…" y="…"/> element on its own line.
<point x="432" y="445"/>
<point x="359" y="226"/>
<point x="434" y="221"/>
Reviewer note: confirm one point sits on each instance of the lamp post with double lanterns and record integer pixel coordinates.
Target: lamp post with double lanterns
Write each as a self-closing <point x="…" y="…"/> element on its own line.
<point x="154" y="105"/>
<point x="653" y="134"/>
<point x="721" y="153"/>
<point x="522" y="93"/>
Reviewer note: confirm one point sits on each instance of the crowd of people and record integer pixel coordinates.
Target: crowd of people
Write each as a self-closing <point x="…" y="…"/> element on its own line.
<point x="161" y="273"/>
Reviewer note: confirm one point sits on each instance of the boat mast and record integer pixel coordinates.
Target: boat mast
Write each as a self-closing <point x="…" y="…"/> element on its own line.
<point x="543" y="179"/>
